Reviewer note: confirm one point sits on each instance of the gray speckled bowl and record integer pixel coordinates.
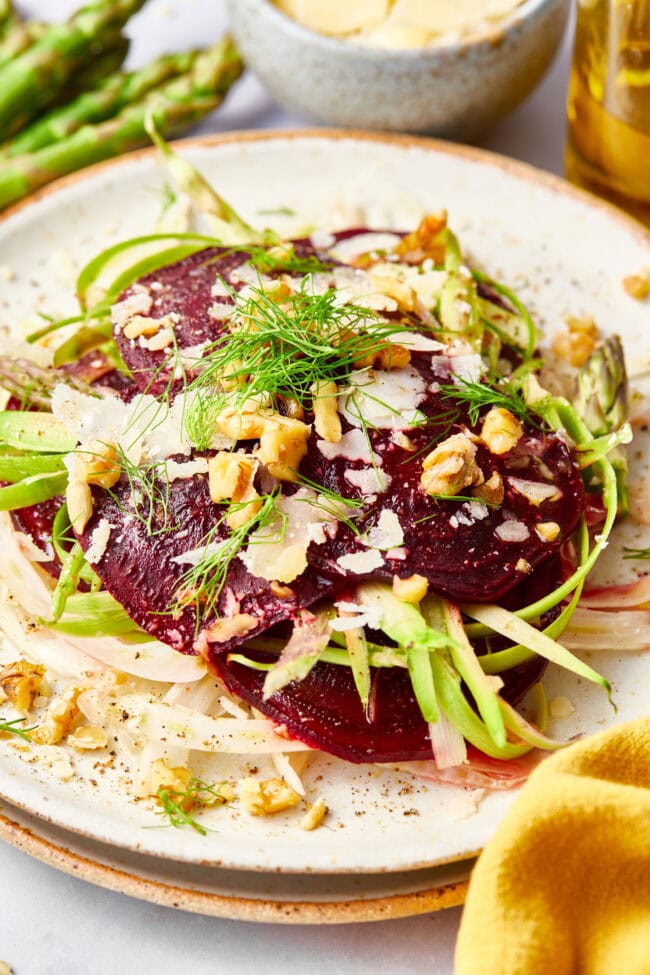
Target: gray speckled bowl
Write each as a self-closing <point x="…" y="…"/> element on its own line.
<point x="453" y="90"/>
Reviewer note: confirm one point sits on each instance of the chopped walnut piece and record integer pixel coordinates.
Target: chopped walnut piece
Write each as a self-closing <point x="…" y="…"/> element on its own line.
<point x="161" y="340"/>
<point x="428" y="240"/>
<point x="98" y="463"/>
<point x="60" y="717"/>
<point x="175" y="780"/>
<point x="451" y="466"/>
<point x="94" y="463"/>
<point x="638" y="285"/>
<point x="501" y="430"/>
<point x="548" y="531"/>
<point x="326" y="411"/>
<point x="88" y="738"/>
<point x="492" y="491"/>
<point x="523" y="566"/>
<point x="578" y="342"/>
<point x="411" y="590"/>
<point x="384" y="355"/>
<point x="267" y="797"/>
<point x="22" y="682"/>
<point x="79" y="499"/>
<point x="281" y="591"/>
<point x="283" y="444"/>
<point x="140" y="325"/>
<point x="392" y="286"/>
<point x="231" y="478"/>
<point x="230" y="626"/>
<point x="314" y="815"/>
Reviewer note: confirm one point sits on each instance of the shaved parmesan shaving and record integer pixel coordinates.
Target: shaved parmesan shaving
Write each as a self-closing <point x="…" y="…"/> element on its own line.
<point x="145" y="428"/>
<point x="534" y="491"/>
<point x="98" y="541"/>
<point x="353" y="445"/>
<point x="346" y="250"/>
<point x="195" y="555"/>
<point x="385" y="400"/>
<point x="361" y="562"/>
<point x="387" y="533"/>
<point x="139" y="303"/>
<point x="512" y="531"/>
<point x="322" y="239"/>
<point x="369" y="480"/>
<point x="355" y="616"/>
<point x="278" y="551"/>
<point x="181" y="471"/>
<point x="466" y="368"/>
<point x="220" y="311"/>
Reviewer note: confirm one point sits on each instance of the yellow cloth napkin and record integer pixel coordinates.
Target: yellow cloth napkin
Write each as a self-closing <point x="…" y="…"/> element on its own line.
<point x="564" y="886"/>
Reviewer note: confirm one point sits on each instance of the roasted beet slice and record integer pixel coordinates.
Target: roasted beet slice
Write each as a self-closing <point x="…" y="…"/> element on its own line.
<point x="463" y="548"/>
<point x="185" y="291"/>
<point x="325" y="712"/>
<point x="36" y="521"/>
<point x="138" y="568"/>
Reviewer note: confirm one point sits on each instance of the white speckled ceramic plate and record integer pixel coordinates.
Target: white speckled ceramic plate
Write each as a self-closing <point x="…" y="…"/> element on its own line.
<point x="563" y="251"/>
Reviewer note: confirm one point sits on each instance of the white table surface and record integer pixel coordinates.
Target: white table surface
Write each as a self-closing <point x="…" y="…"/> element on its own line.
<point x="52" y="924"/>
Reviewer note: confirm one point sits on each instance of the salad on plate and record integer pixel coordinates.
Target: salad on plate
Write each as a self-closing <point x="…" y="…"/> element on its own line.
<point x="277" y="497"/>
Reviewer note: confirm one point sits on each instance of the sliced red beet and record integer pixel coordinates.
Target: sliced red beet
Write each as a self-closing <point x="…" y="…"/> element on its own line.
<point x="137" y="567"/>
<point x="325" y="712"/>
<point x="184" y="291"/>
<point x="36" y="521"/>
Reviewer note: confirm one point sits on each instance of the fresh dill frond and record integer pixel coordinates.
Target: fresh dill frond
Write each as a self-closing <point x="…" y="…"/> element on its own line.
<point x="333" y="503"/>
<point x="477" y="397"/>
<point x="266" y="262"/>
<point x="176" y="805"/>
<point x="10" y="728"/>
<point x="202" y="584"/>
<point x="636" y="553"/>
<point x="280" y="347"/>
<point x="149" y="490"/>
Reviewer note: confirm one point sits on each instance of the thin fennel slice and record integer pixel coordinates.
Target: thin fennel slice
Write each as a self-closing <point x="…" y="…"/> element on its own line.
<point x="151" y="720"/>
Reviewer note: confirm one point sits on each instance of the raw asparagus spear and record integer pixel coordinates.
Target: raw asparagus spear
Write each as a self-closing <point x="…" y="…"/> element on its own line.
<point x="35" y="78"/>
<point x="175" y="106"/>
<point x="106" y="63"/>
<point x="6" y="13"/>
<point x="18" y="36"/>
<point x="113" y="94"/>
<point x="602" y="402"/>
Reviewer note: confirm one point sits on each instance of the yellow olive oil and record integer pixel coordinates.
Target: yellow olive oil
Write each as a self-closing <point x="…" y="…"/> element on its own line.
<point x="608" y="147"/>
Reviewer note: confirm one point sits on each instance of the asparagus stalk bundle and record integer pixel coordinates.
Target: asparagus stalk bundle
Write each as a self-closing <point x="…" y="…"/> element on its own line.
<point x="35" y="78"/>
<point x="112" y="95"/>
<point x="174" y="107"/>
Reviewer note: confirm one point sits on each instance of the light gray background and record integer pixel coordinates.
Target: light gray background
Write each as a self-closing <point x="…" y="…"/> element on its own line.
<point x="51" y="924"/>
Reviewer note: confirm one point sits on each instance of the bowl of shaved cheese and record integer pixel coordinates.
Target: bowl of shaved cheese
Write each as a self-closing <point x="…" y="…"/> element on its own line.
<point x="452" y="68"/>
